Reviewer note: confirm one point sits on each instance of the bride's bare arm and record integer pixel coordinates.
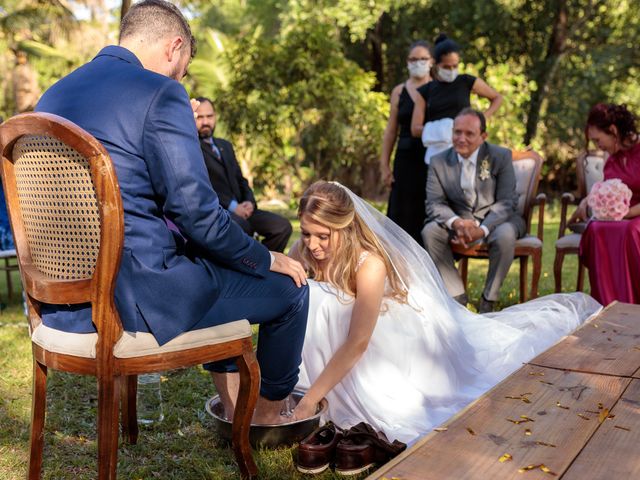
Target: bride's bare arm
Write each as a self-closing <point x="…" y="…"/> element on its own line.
<point x="370" y="289"/>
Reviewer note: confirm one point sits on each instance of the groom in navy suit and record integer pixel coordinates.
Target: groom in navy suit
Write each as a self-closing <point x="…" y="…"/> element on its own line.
<point x="129" y="98"/>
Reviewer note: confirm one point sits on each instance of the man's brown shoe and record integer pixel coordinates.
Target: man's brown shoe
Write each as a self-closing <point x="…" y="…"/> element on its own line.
<point x="317" y="451"/>
<point x="362" y="447"/>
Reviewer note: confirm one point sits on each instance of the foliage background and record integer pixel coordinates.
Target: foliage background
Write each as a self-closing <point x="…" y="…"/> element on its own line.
<point x="301" y="86"/>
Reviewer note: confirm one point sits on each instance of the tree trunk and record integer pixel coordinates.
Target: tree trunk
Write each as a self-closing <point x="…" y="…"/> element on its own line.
<point x="376" y="54"/>
<point x="126" y="4"/>
<point x="546" y="71"/>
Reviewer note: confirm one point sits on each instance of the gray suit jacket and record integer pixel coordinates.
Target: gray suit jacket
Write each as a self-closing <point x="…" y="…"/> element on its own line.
<point x="496" y="195"/>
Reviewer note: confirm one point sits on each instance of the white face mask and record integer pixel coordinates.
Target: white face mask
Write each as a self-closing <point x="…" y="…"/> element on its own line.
<point x="419" y="69"/>
<point x="446" y="75"/>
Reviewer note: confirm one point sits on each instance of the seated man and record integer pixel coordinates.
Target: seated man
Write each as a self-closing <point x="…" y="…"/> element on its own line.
<point x="232" y="188"/>
<point x="471" y="197"/>
<point x="142" y="115"/>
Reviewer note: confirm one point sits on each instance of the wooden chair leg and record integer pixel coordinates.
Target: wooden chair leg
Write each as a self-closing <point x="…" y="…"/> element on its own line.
<point x="245" y="405"/>
<point x="523" y="278"/>
<point x="536" y="259"/>
<point x="557" y="270"/>
<point x="463" y="268"/>
<point x="38" y="407"/>
<point x="580" y="286"/>
<point x="108" y="426"/>
<point x="128" y="410"/>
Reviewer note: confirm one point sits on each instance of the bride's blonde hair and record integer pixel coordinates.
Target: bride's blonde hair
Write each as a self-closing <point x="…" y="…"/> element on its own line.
<point x="330" y="205"/>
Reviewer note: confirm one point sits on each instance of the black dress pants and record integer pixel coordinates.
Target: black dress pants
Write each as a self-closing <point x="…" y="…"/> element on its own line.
<point x="275" y="229"/>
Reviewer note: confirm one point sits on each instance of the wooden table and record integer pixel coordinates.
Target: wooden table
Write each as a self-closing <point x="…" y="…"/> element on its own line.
<point x="573" y="412"/>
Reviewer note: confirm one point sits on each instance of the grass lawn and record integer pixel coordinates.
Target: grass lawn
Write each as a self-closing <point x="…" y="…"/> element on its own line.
<point x="183" y="446"/>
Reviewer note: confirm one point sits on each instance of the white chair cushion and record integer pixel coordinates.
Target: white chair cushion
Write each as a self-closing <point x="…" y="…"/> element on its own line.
<point x="529" y="241"/>
<point x="524" y="170"/>
<point x="76" y="344"/>
<point x="569" y="241"/>
<point x="137" y="344"/>
<point x="593" y="170"/>
<point x="8" y="253"/>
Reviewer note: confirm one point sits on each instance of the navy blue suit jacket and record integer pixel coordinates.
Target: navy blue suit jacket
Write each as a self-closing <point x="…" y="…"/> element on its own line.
<point x="146" y="123"/>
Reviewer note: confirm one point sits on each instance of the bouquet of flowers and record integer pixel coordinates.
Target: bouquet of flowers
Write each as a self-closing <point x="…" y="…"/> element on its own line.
<point x="609" y="199"/>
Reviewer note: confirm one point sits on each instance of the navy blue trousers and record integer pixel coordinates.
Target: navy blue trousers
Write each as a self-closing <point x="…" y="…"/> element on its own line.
<point x="273" y="302"/>
<point x="280" y="308"/>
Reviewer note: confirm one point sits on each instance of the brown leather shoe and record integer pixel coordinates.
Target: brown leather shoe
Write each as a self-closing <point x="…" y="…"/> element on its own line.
<point x="317" y="451"/>
<point x="362" y="447"/>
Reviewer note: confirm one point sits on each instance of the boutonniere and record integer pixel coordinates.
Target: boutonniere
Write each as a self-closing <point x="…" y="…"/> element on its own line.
<point x="484" y="169"/>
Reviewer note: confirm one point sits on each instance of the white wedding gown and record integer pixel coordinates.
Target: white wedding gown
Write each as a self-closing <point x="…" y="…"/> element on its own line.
<point x="427" y="361"/>
<point x="429" y="357"/>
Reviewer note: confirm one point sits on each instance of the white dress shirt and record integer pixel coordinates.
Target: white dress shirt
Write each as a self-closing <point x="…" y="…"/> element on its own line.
<point x="468" y="184"/>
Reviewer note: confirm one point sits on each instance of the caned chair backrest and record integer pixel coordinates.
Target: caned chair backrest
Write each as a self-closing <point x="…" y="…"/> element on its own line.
<point x="589" y="170"/>
<point x="66" y="214"/>
<point x="527" y="166"/>
<point x="59" y="207"/>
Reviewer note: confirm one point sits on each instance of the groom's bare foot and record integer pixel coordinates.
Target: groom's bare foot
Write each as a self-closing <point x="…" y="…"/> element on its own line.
<point x="227" y="385"/>
<point x="267" y="412"/>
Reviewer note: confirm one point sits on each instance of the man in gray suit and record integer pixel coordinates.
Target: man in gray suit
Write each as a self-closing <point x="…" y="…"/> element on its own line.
<point x="471" y="197"/>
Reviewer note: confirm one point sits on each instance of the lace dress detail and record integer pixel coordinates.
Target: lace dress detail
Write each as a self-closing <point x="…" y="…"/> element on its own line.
<point x="363" y="256"/>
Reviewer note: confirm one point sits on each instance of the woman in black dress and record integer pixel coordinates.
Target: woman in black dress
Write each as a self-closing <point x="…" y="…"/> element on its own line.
<point x="409" y="177"/>
<point x="443" y="98"/>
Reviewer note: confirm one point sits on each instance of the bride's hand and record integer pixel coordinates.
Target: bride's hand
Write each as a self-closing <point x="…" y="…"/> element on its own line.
<point x="304" y="409"/>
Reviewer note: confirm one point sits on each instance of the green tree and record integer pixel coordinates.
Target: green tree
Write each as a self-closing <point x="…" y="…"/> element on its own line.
<point x="297" y="105"/>
<point x="551" y="59"/>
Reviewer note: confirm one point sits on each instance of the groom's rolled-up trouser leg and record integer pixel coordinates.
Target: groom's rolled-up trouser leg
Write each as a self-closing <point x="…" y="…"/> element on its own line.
<point x="502" y="245"/>
<point x="280" y="308"/>
<point x="436" y="241"/>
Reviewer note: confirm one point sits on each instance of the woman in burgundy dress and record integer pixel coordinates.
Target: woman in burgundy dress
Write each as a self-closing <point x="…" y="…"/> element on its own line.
<point x="611" y="250"/>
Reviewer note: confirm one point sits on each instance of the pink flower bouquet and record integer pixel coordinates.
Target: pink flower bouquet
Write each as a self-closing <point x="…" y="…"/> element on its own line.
<point x="609" y="200"/>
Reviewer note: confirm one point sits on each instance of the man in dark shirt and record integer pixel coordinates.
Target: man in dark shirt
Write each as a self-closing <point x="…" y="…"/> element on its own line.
<point x="232" y="188"/>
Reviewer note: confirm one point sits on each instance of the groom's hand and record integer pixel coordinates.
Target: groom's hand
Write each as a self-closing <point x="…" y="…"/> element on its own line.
<point x="289" y="266"/>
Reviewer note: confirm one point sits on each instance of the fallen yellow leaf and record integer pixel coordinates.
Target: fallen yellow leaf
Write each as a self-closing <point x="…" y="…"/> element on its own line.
<point x="505" y="458"/>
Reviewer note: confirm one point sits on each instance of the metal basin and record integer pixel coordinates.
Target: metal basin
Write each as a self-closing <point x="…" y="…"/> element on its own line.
<point x="269" y="436"/>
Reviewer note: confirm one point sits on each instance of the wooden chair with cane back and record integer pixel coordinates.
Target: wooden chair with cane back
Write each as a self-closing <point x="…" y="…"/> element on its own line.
<point x="589" y="170"/>
<point x="527" y="166"/>
<point x="67" y="218"/>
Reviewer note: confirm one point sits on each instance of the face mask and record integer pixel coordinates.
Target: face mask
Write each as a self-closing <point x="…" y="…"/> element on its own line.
<point x="447" y="75"/>
<point x="419" y="69"/>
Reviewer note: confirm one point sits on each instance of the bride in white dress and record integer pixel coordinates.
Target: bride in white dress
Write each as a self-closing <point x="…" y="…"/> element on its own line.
<point x="385" y="344"/>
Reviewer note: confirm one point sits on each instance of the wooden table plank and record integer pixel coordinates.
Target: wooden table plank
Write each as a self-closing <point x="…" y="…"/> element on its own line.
<point x="613" y="452"/>
<point x="609" y="344"/>
<point x="457" y="454"/>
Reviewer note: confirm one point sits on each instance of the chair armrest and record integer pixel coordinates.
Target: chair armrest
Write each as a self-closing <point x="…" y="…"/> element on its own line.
<point x="540" y="201"/>
<point x="566" y="200"/>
